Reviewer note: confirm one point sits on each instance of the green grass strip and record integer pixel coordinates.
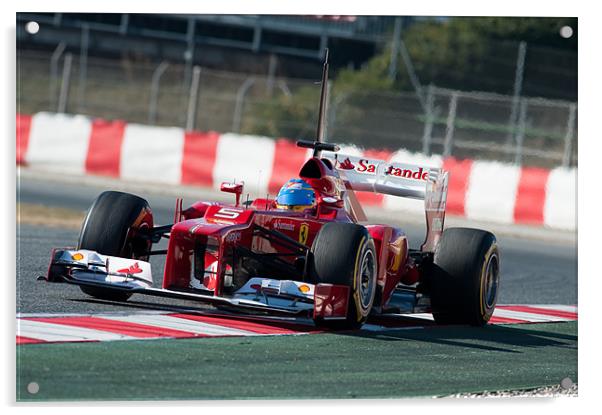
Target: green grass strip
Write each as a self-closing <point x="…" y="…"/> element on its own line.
<point x="403" y="363"/>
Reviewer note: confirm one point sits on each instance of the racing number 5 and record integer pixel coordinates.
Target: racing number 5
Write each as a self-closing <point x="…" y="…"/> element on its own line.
<point x="227" y="213"/>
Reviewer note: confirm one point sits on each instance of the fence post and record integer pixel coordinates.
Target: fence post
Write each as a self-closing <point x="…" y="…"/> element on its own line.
<point x="271" y="73"/>
<point x="256" y="45"/>
<point x="193" y="99"/>
<point x="520" y="136"/>
<point x="83" y="65"/>
<point x="154" y="92"/>
<point x="123" y="26"/>
<point x="428" y="122"/>
<point x="518" y="87"/>
<point x="189" y="52"/>
<point x="57" y="19"/>
<point x="54" y="73"/>
<point x="412" y="73"/>
<point x="568" y="138"/>
<point x="450" y="126"/>
<point x="332" y="109"/>
<point x="64" y="95"/>
<point x="240" y="97"/>
<point x="395" y="48"/>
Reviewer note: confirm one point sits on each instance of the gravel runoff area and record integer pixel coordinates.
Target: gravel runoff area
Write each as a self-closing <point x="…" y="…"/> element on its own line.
<point x="565" y="388"/>
<point x="49" y="216"/>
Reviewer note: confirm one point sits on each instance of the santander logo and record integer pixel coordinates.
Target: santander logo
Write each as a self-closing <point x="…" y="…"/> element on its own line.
<point x="362" y="166"/>
<point x="366" y="166"/>
<point x="419" y="174"/>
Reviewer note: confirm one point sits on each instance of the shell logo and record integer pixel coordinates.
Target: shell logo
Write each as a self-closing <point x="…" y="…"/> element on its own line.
<point x="304" y="288"/>
<point x="77" y="256"/>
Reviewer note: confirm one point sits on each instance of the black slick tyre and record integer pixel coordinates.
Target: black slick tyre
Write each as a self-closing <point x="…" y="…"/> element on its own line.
<point x="464" y="279"/>
<point x="344" y="254"/>
<point x="113" y="226"/>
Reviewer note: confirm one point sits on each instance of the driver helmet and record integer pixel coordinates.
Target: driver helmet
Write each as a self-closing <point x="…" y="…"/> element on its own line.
<point x="296" y="195"/>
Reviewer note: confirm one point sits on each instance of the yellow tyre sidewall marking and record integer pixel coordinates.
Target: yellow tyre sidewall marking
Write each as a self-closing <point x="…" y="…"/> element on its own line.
<point x="361" y="313"/>
<point x="492" y="249"/>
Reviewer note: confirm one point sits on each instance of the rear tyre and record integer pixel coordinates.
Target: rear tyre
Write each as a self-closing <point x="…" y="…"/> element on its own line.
<point x="113" y="226"/>
<point x="464" y="278"/>
<point x="344" y="254"/>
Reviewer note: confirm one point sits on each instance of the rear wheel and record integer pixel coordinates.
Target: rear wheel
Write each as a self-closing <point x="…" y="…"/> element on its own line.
<point x="113" y="226"/>
<point x="464" y="278"/>
<point x="344" y="254"/>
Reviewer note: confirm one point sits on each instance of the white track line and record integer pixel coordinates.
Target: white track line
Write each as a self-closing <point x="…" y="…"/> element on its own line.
<point x="530" y="317"/>
<point x="553" y="307"/>
<point x="51" y="332"/>
<point x="101" y="315"/>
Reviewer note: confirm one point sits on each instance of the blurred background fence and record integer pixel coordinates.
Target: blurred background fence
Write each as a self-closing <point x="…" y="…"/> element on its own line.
<point x="530" y="131"/>
<point x="201" y="92"/>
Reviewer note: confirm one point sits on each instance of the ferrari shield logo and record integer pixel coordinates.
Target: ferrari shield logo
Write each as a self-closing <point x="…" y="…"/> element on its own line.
<point x="303" y="233"/>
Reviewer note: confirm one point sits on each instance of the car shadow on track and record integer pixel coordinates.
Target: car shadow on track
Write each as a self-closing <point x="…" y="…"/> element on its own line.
<point x="144" y="305"/>
<point x="492" y="337"/>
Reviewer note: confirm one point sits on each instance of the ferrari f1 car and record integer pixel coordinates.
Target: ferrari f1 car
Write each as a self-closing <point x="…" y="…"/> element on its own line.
<point x="323" y="262"/>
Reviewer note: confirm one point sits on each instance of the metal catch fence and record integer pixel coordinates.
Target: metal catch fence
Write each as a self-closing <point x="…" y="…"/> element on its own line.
<point x="523" y="130"/>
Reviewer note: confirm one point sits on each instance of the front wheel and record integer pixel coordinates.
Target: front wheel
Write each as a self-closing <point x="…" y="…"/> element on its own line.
<point x="465" y="276"/>
<point x="344" y="254"/>
<point x="113" y="226"/>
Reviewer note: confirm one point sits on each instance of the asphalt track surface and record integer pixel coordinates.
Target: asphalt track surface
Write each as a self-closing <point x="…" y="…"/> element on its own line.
<point x="533" y="271"/>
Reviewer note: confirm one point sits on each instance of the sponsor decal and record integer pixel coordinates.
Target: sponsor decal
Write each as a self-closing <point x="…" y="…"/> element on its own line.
<point x="77" y="256"/>
<point x="304" y="288"/>
<point x="419" y="174"/>
<point x="284" y="226"/>
<point x="346" y="165"/>
<point x="133" y="269"/>
<point x="364" y="166"/>
<point x="303" y="233"/>
<point x="233" y="237"/>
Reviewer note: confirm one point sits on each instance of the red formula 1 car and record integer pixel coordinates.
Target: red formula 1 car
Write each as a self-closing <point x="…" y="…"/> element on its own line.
<point x="323" y="262"/>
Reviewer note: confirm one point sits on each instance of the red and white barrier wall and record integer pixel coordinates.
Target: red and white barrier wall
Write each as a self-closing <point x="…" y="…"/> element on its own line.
<point x="479" y="190"/>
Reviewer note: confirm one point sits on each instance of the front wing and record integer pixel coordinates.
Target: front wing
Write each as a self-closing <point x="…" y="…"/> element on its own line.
<point x="278" y="297"/>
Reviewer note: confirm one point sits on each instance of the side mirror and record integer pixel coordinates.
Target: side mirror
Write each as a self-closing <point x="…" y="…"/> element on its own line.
<point x="236" y="188"/>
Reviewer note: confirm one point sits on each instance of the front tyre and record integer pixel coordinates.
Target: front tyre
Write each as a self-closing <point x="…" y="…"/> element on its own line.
<point x="464" y="279"/>
<point x="114" y="225"/>
<point x="344" y="254"/>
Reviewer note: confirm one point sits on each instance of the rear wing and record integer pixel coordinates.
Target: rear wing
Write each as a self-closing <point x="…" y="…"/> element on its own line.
<point x="402" y="180"/>
<point x="395" y="179"/>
